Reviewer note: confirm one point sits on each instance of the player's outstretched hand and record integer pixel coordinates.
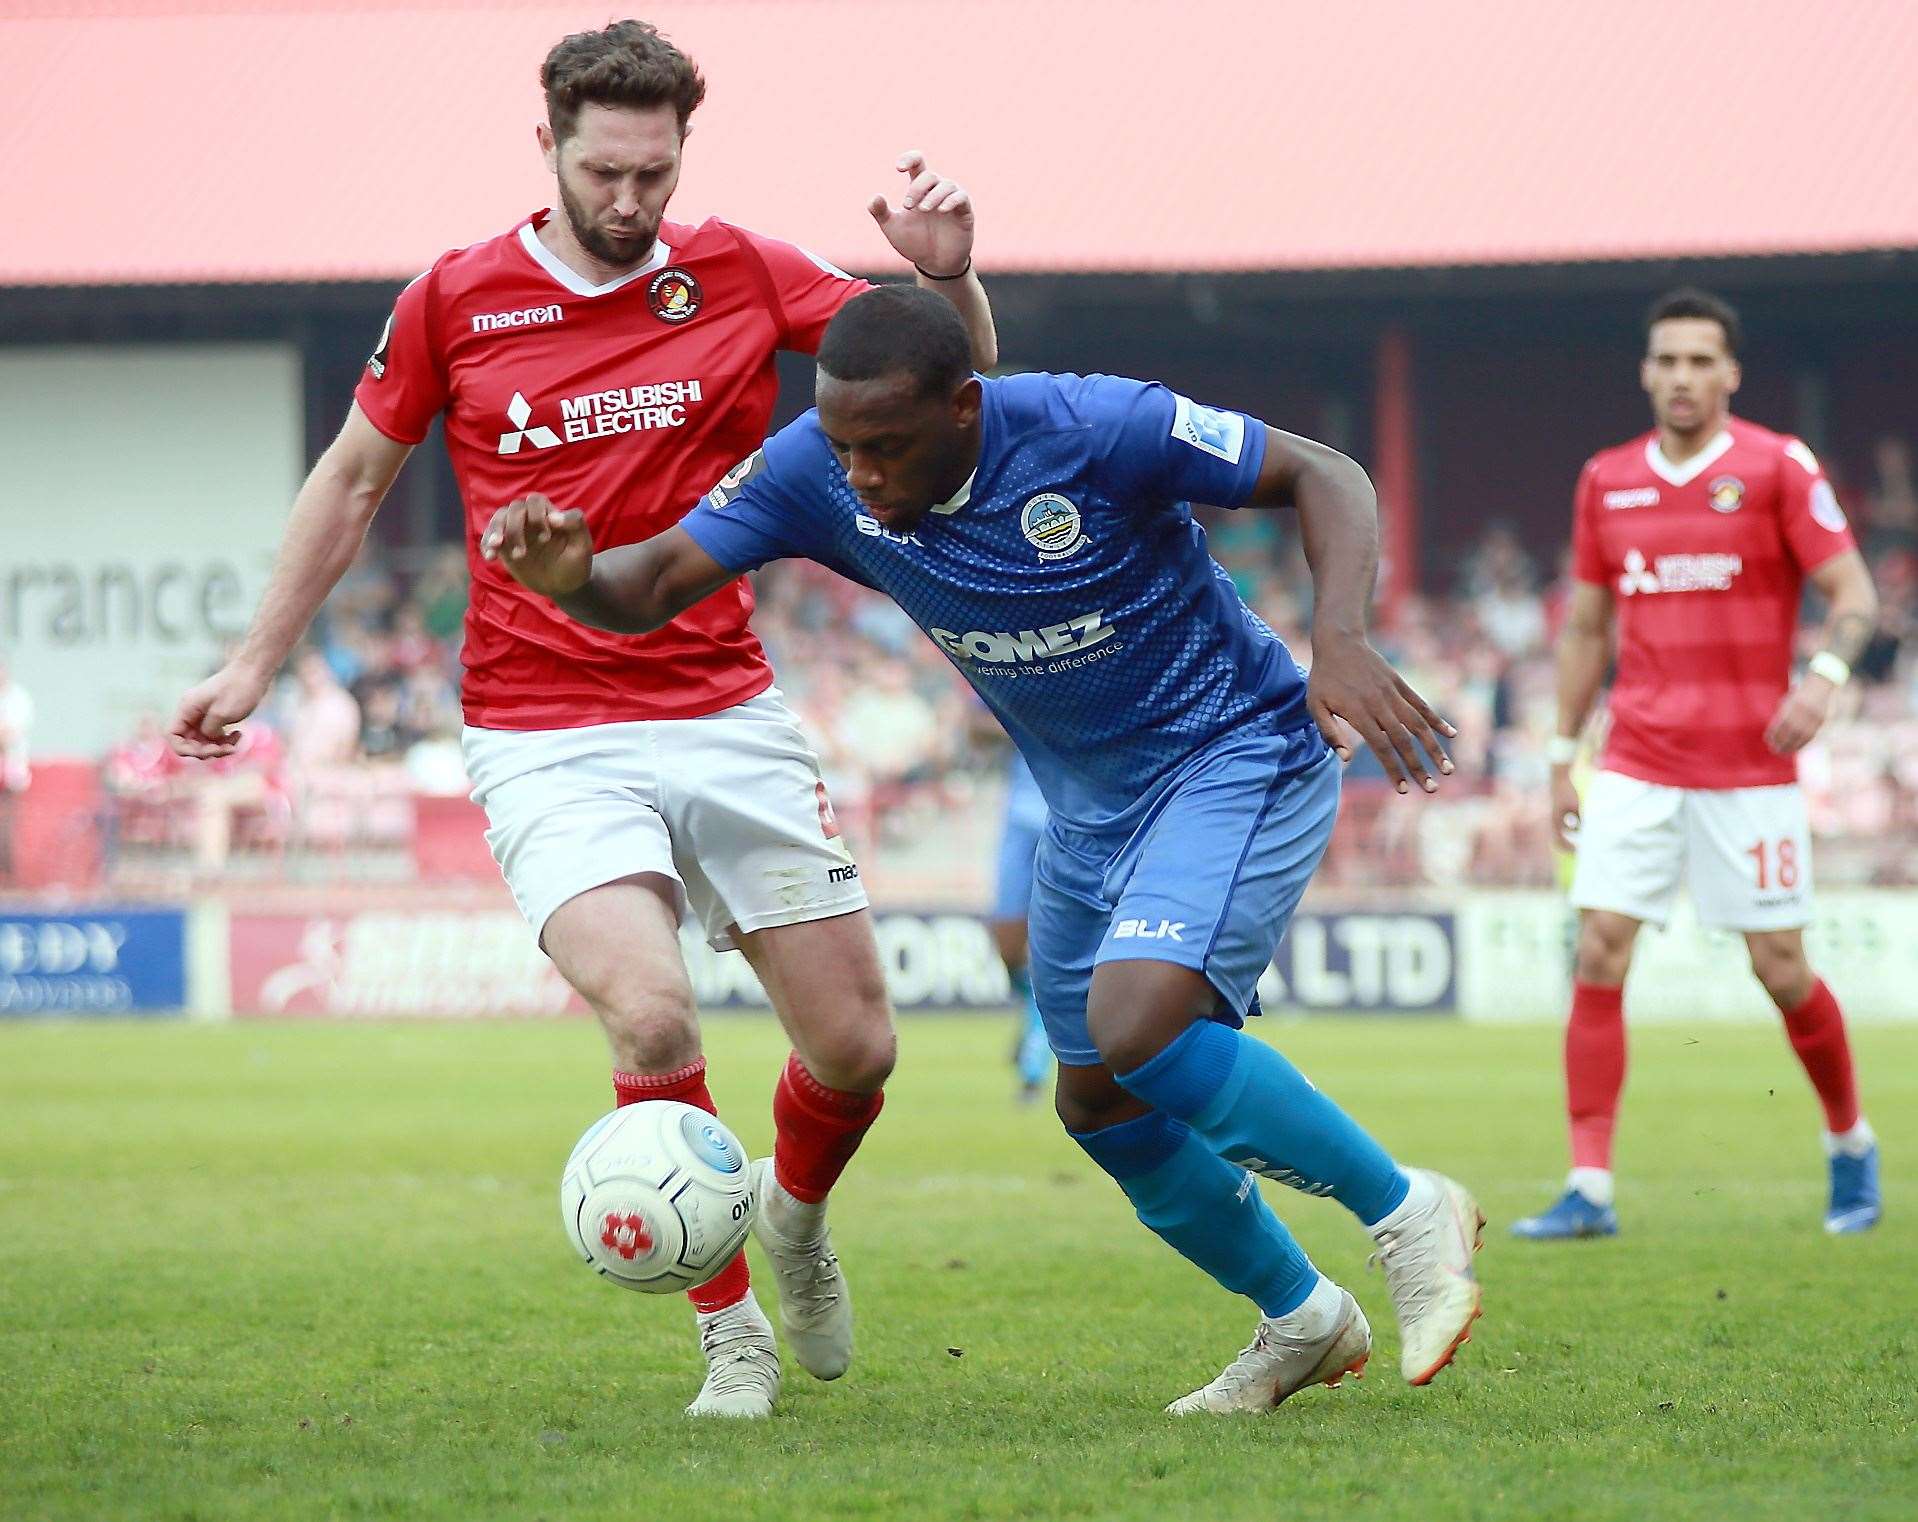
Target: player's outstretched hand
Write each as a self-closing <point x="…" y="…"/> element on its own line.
<point x="1352" y="681"/>
<point x="1801" y="714"/>
<point x="546" y="549"/>
<point x="932" y="225"/>
<point x="202" y="727"/>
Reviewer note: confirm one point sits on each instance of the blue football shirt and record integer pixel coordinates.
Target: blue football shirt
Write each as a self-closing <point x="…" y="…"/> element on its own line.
<point x="1067" y="581"/>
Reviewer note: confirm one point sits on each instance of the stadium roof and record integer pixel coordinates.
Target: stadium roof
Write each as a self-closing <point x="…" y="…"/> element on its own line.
<point x="277" y="141"/>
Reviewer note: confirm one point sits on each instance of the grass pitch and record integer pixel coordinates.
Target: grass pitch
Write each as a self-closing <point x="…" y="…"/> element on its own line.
<point x="265" y="1271"/>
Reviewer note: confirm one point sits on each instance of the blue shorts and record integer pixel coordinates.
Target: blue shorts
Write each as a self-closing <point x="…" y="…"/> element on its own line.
<point x="1209" y="880"/>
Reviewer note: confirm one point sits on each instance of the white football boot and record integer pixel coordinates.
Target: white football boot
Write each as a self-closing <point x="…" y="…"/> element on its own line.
<point x="1426" y="1246"/>
<point x="742" y="1362"/>
<point x="1281" y="1361"/>
<point x="815" y="1306"/>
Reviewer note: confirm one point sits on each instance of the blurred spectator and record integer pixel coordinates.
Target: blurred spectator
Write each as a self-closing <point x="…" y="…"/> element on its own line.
<point x="435" y="765"/>
<point x="322" y="720"/>
<point x="441" y="594"/>
<point x="382" y="734"/>
<point x="247" y="787"/>
<point x="1891" y="509"/>
<point x="1502" y="588"/>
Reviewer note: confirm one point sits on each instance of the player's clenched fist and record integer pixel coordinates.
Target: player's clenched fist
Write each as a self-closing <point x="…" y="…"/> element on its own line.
<point x="546" y="549"/>
<point x="202" y="725"/>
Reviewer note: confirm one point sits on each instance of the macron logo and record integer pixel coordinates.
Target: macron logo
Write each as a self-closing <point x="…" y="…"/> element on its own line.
<point x="525" y="317"/>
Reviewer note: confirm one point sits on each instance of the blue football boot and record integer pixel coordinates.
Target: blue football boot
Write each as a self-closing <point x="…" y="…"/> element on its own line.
<point x="1572" y="1216"/>
<point x="1855" y="1202"/>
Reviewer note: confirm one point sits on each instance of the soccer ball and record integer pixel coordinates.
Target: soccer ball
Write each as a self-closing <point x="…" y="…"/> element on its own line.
<point x="656" y="1196"/>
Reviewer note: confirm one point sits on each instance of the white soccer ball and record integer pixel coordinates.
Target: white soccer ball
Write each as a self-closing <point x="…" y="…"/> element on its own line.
<point x="656" y="1196"/>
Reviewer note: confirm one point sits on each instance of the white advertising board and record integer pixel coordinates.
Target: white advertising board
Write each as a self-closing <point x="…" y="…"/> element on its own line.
<point x="143" y="494"/>
<point x="1515" y="960"/>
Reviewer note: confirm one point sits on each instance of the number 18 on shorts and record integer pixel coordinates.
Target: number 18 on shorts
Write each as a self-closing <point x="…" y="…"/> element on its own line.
<point x="1744" y="852"/>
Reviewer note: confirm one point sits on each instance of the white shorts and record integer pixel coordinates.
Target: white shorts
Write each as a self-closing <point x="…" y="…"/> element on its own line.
<point x="1745" y="852"/>
<point x="730" y="806"/>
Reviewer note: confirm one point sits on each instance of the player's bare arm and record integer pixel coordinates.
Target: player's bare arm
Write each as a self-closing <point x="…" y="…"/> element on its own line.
<point x="1845" y="584"/>
<point x="323" y="533"/>
<point x="629" y="589"/>
<point x="1339" y="520"/>
<point x="1584" y="652"/>
<point x="933" y="228"/>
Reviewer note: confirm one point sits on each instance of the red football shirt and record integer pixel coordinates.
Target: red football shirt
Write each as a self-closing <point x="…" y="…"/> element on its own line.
<point x="1705" y="563"/>
<point x="627" y="400"/>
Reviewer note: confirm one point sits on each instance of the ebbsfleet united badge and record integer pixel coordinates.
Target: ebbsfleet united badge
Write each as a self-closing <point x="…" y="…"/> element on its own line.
<point x="674" y="295"/>
<point x="1728" y="494"/>
<point x="1052" y="526"/>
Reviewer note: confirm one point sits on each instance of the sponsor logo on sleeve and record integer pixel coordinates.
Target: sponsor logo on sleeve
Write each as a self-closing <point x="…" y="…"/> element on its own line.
<point x="674" y="295"/>
<point x="734" y="481"/>
<point x="1825" y="511"/>
<point x="1727" y="494"/>
<point x="1215" y="431"/>
<point x="1052" y="525"/>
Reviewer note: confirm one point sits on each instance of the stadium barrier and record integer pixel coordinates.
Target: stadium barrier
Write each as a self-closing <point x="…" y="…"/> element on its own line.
<point x="1482" y="955"/>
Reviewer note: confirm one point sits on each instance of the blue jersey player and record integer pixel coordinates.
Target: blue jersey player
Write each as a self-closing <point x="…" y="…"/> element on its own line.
<point x="1037" y="529"/>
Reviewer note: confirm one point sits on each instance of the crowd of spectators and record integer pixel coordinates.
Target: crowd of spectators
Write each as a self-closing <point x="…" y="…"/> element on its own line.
<point x="906" y="748"/>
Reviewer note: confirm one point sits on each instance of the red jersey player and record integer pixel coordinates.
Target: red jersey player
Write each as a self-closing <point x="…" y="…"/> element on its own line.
<point x="601" y="352"/>
<point x="1695" y="540"/>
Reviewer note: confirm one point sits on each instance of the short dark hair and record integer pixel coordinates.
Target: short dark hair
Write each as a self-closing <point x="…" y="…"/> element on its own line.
<point x="627" y="64"/>
<point x="1691" y="301"/>
<point x="898" y="329"/>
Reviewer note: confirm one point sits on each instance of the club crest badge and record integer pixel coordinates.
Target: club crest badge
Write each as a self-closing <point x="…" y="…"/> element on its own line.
<point x="1728" y="494"/>
<point x="1052" y="526"/>
<point x="674" y="295"/>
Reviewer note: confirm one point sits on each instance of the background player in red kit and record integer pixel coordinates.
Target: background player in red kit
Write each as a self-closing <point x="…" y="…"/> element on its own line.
<point x="1695" y="540"/>
<point x="602" y="354"/>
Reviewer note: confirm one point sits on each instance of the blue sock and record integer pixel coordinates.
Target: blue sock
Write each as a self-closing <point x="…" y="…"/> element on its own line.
<point x="1035" y="1051"/>
<point x="1252" y="1106"/>
<point x="1205" y="1209"/>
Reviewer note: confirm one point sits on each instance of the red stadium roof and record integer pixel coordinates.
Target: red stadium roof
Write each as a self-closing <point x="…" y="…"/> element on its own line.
<point x="313" y="141"/>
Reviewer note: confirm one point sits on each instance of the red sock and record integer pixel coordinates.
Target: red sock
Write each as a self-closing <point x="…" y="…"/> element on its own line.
<point x="1594" y="1071"/>
<point x="688" y="1086"/>
<point x="1817" y="1032"/>
<point x="816" y="1131"/>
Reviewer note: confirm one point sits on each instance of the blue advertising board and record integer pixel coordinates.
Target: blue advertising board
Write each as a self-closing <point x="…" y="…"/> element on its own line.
<point x="93" y="961"/>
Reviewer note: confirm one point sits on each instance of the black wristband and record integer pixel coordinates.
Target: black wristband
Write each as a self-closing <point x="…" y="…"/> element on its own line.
<point x="960" y="276"/>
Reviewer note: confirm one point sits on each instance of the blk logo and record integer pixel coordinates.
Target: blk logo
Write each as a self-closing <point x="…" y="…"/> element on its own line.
<point x="518" y="411"/>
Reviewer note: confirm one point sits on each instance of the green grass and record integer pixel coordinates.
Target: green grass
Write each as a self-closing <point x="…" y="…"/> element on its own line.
<point x="269" y="1271"/>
